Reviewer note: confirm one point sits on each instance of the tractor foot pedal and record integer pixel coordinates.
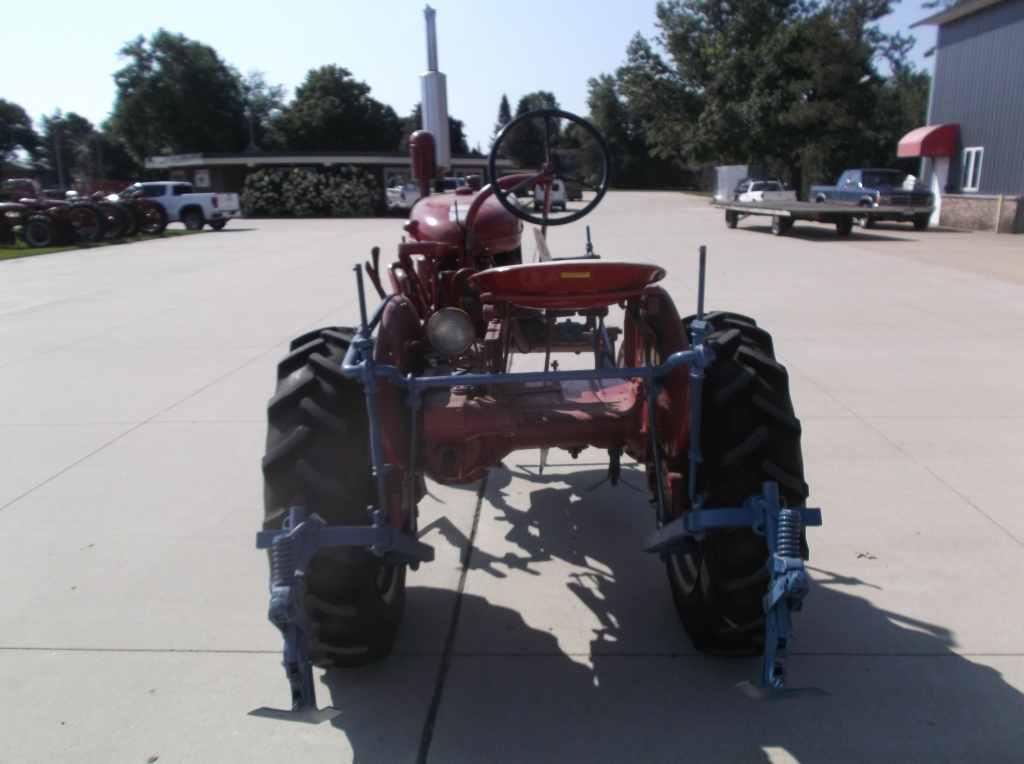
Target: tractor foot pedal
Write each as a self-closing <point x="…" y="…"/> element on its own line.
<point x="305" y="716"/>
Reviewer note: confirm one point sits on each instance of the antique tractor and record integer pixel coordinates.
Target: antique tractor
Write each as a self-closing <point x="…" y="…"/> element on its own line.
<point x="143" y="215"/>
<point x="423" y="386"/>
<point x="47" y="222"/>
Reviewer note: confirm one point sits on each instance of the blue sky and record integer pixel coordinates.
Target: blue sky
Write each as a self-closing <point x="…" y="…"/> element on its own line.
<point x="486" y="47"/>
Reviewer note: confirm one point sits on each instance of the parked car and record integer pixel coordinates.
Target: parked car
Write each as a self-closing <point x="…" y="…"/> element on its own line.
<point x="754" y="190"/>
<point x="183" y="204"/>
<point x="558" y="200"/>
<point x="403" y="196"/>
<point x="879" y="188"/>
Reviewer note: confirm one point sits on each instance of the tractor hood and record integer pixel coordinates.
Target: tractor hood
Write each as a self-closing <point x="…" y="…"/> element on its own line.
<point x="442" y="218"/>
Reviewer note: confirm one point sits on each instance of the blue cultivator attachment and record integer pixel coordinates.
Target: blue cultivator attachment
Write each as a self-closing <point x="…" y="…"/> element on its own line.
<point x="789" y="584"/>
<point x="291" y="550"/>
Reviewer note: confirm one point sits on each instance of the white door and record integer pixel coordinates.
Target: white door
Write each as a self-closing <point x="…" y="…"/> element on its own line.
<point x="940" y="175"/>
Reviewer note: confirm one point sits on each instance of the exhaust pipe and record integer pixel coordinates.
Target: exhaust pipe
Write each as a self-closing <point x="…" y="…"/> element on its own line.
<point x="434" y="98"/>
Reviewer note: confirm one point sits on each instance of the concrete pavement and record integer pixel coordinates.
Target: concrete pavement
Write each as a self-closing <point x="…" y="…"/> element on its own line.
<point x="132" y="386"/>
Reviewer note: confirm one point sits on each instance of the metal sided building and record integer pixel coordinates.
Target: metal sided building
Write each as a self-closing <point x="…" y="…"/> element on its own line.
<point x="972" y="148"/>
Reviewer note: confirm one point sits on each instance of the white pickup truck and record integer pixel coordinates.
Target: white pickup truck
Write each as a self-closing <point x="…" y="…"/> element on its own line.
<point x="185" y="205"/>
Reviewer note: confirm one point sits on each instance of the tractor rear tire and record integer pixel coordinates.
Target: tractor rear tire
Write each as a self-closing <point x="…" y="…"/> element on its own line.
<point x="749" y="435"/>
<point x="87" y="222"/>
<point x="131" y="219"/>
<point x="318" y="457"/>
<point x="115" y="221"/>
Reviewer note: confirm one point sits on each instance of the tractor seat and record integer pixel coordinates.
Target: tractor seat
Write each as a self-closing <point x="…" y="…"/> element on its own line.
<point x="565" y="284"/>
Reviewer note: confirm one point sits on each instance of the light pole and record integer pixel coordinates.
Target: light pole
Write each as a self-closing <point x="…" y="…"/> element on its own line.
<point x="57" y="122"/>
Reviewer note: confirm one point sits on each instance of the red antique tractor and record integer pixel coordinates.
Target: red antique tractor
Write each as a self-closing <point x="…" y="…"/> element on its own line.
<point x="46" y="222"/>
<point x="423" y="386"/>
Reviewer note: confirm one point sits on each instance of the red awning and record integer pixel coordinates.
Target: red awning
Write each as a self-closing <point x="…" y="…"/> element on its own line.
<point x="930" y="141"/>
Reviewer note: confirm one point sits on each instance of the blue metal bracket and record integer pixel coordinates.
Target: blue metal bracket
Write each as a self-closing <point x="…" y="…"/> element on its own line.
<point x="291" y="550"/>
<point x="788" y="582"/>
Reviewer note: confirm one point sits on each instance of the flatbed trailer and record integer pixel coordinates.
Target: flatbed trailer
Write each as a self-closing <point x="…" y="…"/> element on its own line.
<point x="784" y="214"/>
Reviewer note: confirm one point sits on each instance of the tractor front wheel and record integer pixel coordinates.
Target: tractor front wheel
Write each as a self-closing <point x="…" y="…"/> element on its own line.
<point x="318" y="457"/>
<point x="749" y="435"/>
<point x="39" y="231"/>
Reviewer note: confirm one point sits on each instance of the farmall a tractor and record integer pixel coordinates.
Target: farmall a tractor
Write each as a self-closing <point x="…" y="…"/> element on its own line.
<point x="422" y="386"/>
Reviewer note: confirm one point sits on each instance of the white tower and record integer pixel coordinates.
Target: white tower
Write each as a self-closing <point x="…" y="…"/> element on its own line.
<point x="434" y="97"/>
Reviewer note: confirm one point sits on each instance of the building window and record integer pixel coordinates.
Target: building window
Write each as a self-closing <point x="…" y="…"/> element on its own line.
<point x="971" y="177"/>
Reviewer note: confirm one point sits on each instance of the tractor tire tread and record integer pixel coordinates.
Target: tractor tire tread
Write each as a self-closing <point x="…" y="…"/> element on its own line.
<point x="749" y="435"/>
<point x="297" y="358"/>
<point x="317" y="457"/>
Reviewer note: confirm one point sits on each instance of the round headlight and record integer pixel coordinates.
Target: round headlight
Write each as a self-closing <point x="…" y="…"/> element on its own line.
<point x="451" y="331"/>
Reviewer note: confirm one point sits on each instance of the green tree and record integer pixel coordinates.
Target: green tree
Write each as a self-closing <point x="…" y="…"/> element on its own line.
<point x="456" y="131"/>
<point x="660" y="101"/>
<point x="263" y="103"/>
<point x="69" y="149"/>
<point x="539" y="99"/>
<point x="632" y="165"/>
<point x="504" y="117"/>
<point x="333" y="111"/>
<point x="176" y="95"/>
<point x="787" y="83"/>
<point x="16" y="131"/>
<point x="525" y="143"/>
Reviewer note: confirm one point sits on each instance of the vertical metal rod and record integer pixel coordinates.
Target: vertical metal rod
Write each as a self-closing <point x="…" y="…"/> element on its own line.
<point x="362" y="299"/>
<point x="700" y="281"/>
<point x="696" y="385"/>
<point x="370" y="390"/>
<point x="410" y="508"/>
<point x="547" y="341"/>
<point x="652" y="415"/>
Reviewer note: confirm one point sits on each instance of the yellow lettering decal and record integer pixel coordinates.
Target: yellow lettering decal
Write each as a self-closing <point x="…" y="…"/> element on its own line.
<point x="575" y="274"/>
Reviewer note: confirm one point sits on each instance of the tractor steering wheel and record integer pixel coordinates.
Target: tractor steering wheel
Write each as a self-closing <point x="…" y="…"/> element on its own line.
<point x="539" y="140"/>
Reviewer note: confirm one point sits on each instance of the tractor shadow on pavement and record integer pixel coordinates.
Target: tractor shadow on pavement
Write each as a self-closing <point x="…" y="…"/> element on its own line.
<point x="520" y="688"/>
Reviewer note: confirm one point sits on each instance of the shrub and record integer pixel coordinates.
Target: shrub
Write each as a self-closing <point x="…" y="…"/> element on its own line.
<point x="310" y="192"/>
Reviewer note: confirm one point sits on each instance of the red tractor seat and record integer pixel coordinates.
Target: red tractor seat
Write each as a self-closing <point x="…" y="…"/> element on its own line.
<point x="566" y="284"/>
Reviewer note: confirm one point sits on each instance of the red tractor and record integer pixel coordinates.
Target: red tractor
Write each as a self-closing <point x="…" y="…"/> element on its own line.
<point x="46" y="222"/>
<point x="423" y="386"/>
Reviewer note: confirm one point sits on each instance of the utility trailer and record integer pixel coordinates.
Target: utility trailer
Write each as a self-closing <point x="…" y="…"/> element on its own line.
<point x="784" y="214"/>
